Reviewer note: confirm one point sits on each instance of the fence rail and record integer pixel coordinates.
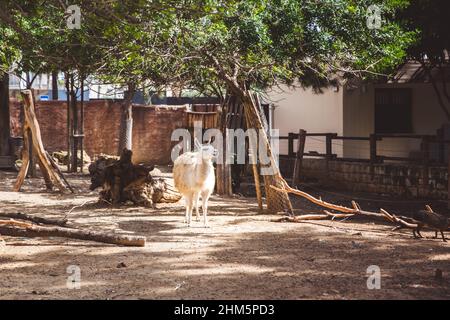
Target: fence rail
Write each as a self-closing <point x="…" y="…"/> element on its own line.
<point x="374" y="157"/>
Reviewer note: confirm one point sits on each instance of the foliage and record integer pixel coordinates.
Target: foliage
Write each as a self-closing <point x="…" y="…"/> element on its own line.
<point x="209" y="43"/>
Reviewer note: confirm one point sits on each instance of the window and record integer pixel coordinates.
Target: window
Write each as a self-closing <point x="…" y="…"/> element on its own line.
<point x="393" y="111"/>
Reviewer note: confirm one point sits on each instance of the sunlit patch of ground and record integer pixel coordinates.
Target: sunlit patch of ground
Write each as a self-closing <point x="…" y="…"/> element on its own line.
<point x="241" y="256"/>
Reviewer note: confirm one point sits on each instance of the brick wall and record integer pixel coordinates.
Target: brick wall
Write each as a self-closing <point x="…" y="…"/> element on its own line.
<point x="406" y="180"/>
<point x="152" y="128"/>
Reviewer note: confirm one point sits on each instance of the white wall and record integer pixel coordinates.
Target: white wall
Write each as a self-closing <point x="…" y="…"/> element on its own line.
<point x="303" y="109"/>
<point x="359" y="120"/>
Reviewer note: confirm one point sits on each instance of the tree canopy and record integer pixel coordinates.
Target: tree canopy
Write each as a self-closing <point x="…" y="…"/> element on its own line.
<point x="257" y="43"/>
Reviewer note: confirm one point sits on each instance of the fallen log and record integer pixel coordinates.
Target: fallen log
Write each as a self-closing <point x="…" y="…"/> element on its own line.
<point x="28" y="230"/>
<point x="23" y="216"/>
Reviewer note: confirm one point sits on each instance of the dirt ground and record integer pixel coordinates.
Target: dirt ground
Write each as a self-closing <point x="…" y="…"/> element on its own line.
<point x="243" y="255"/>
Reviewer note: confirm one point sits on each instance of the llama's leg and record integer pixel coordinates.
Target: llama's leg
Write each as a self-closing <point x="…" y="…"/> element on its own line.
<point x="205" y="197"/>
<point x="188" y="199"/>
<point x="443" y="236"/>
<point x="196" y="196"/>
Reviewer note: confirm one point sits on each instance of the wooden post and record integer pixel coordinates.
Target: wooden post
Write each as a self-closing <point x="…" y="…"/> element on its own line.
<point x="33" y="159"/>
<point x="32" y="167"/>
<point x="74" y="124"/>
<point x="329" y="146"/>
<point x="291" y="144"/>
<point x="299" y="156"/>
<point x="276" y="201"/>
<point x="82" y="124"/>
<point x="69" y="144"/>
<point x="426" y="159"/>
<point x="31" y="126"/>
<point x="448" y="180"/>
<point x="373" y="153"/>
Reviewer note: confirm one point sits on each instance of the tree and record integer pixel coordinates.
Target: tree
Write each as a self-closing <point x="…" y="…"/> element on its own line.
<point x="432" y="48"/>
<point x="243" y="45"/>
<point x="8" y="54"/>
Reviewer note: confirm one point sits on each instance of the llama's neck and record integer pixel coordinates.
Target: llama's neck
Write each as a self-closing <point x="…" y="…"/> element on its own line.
<point x="204" y="167"/>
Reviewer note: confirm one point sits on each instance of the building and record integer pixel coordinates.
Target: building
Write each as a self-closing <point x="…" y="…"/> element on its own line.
<point x="408" y="105"/>
<point x="408" y="152"/>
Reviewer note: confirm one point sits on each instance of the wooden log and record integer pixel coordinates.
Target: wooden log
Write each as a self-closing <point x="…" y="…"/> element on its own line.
<point x="31" y="126"/>
<point x="277" y="201"/>
<point x="15" y="229"/>
<point x="23" y="216"/>
<point x="55" y="166"/>
<point x="25" y="162"/>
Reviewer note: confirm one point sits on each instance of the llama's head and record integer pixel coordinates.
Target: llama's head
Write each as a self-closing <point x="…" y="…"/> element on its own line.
<point x="207" y="151"/>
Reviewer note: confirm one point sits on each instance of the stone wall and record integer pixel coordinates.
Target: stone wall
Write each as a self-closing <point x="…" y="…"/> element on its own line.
<point x="152" y="128"/>
<point x="399" y="179"/>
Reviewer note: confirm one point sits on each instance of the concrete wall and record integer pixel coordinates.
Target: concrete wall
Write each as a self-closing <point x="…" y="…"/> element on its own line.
<point x="359" y="119"/>
<point x="152" y="128"/>
<point x="395" y="179"/>
<point x="303" y="109"/>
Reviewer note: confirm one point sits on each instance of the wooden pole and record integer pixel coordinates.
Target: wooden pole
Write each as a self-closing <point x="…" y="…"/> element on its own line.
<point x="373" y="153"/>
<point x="299" y="156"/>
<point x="253" y="156"/>
<point x="448" y="180"/>
<point x="276" y="201"/>
<point x="74" y="123"/>
<point x="69" y="145"/>
<point x="82" y="123"/>
<point x="25" y="159"/>
<point x="425" y="160"/>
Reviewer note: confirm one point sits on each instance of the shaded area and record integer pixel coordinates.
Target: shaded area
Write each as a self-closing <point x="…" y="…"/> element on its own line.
<point x="242" y="256"/>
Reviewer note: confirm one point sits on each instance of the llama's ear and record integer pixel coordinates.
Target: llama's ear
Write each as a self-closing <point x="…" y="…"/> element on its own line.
<point x="197" y="144"/>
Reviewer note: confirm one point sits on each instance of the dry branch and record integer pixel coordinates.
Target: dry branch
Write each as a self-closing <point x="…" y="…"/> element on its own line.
<point x="23" y="216"/>
<point x="320" y="202"/>
<point x="400" y="221"/>
<point x="23" y="229"/>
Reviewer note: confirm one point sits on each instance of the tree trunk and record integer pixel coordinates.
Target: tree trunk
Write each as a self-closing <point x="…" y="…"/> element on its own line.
<point x="126" y="120"/>
<point x="54" y="85"/>
<point x="276" y="201"/>
<point x="74" y="125"/>
<point x="68" y="126"/>
<point x="436" y="90"/>
<point x="223" y="170"/>
<point x="81" y="129"/>
<point x="4" y="116"/>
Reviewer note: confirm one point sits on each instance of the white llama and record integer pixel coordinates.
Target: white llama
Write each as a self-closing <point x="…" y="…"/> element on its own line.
<point x="193" y="174"/>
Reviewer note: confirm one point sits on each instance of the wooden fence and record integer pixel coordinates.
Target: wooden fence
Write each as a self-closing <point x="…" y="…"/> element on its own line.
<point x="374" y="157"/>
<point x="426" y="142"/>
